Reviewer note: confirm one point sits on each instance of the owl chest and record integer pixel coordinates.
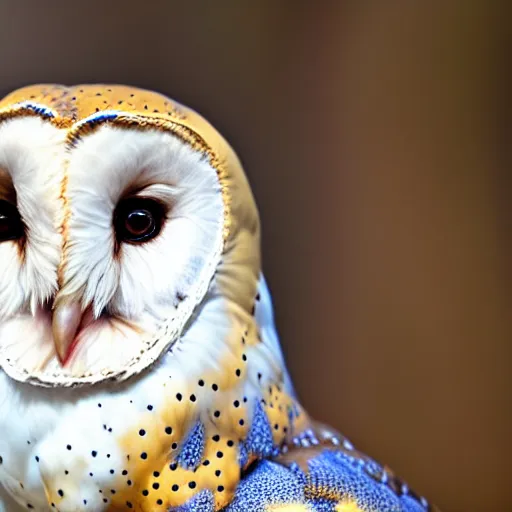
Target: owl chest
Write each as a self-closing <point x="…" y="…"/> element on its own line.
<point x="55" y="451"/>
<point x="23" y="428"/>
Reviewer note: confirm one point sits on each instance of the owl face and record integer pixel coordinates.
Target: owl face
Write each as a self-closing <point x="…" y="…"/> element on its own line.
<point x="113" y="225"/>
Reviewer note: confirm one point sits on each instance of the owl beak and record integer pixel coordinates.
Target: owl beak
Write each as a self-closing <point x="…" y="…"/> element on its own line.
<point x="66" y="319"/>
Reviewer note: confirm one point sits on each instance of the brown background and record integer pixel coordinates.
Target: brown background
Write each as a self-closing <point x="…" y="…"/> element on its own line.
<point x="376" y="136"/>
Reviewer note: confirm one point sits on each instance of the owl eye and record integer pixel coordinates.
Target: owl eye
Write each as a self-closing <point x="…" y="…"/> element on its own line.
<point x="138" y="220"/>
<point x="11" y="225"/>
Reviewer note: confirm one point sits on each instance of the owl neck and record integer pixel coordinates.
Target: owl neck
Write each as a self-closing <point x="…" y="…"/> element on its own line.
<point x="228" y="400"/>
<point x="233" y="368"/>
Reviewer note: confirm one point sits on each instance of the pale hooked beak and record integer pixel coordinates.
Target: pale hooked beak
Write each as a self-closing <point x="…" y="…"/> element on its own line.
<point x="66" y="320"/>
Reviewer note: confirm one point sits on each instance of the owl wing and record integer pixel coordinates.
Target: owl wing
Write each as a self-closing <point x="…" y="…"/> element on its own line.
<point x="323" y="478"/>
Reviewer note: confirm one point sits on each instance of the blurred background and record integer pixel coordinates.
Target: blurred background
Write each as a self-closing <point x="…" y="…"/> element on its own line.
<point x="376" y="136"/>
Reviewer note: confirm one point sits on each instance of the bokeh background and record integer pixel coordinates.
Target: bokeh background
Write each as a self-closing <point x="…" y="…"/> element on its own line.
<point x="376" y="136"/>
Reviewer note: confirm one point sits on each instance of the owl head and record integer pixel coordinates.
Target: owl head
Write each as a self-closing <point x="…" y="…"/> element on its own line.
<point x="126" y="227"/>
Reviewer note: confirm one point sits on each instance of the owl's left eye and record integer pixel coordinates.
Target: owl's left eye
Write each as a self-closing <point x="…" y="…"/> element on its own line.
<point x="11" y="225"/>
<point x="137" y="220"/>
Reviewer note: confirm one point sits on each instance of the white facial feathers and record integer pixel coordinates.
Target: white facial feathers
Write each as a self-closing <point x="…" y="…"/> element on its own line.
<point x="31" y="156"/>
<point x="67" y="198"/>
<point x="114" y="163"/>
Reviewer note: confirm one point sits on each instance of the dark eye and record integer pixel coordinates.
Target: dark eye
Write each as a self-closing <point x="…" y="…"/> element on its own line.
<point x="137" y="219"/>
<point x="11" y="226"/>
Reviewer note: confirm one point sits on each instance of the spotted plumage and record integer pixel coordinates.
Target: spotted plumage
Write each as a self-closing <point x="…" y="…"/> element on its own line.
<point x="141" y="369"/>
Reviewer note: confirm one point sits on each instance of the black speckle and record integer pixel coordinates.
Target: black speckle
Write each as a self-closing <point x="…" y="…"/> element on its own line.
<point x="156" y="474"/>
<point x="220" y="455"/>
<point x="216" y="438"/>
<point x="238" y="372"/>
<point x="175" y="487"/>
<point x="216" y="414"/>
<point x="168" y="430"/>
<point x="192" y="485"/>
<point x="60" y="492"/>
<point x="206" y="462"/>
<point x="230" y="443"/>
<point x="112" y="471"/>
<point x="142" y="432"/>
<point x="145" y="492"/>
<point x="218" y="472"/>
<point x="129" y="505"/>
<point x="215" y="387"/>
<point x="220" y="488"/>
<point x="156" y="486"/>
<point x="174" y="446"/>
<point x="241" y="423"/>
<point x="143" y="455"/>
<point x="192" y="398"/>
<point x="236" y="403"/>
<point x="159" y="501"/>
<point x="68" y="447"/>
<point x="150" y="407"/>
<point x="201" y="382"/>
<point x="173" y="466"/>
<point x="124" y="473"/>
<point x="179" y="396"/>
<point x="94" y="453"/>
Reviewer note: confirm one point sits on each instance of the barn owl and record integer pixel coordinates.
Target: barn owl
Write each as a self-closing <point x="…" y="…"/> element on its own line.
<point x="140" y="365"/>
